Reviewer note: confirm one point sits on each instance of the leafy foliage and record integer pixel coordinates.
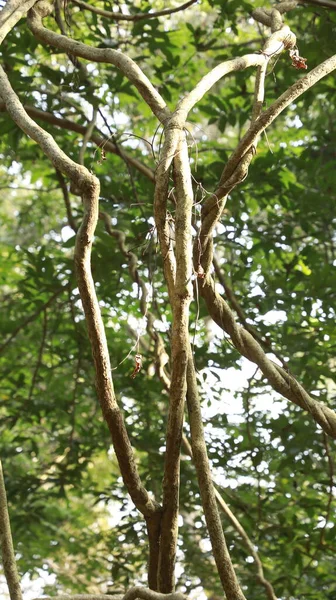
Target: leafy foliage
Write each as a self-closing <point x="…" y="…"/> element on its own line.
<point x="276" y="249"/>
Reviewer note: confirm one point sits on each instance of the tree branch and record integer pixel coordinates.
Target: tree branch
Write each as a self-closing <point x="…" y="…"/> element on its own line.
<point x="180" y="298"/>
<point x="98" y="139"/>
<point x="6" y="543"/>
<point x="178" y="276"/>
<point x="139" y="593"/>
<point x="322" y="3"/>
<point x="282" y="382"/>
<point x="125" y="64"/>
<point x="220" y="551"/>
<point x="240" y="530"/>
<point x="236" y="169"/>
<point x="13" y="11"/>
<point x="271" y="113"/>
<point x="84" y="597"/>
<point x="270" y="593"/>
<point x="139" y="17"/>
<point x="88" y="185"/>
<point x="274" y="45"/>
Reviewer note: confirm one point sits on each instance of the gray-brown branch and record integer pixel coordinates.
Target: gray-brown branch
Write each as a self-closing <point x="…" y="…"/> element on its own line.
<point x="114" y="16"/>
<point x="6" y="544"/>
<point x="180" y="298"/>
<point x="125" y="64"/>
<point x="220" y="551"/>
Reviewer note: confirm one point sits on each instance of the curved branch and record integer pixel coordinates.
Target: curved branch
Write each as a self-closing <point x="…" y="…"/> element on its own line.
<point x="270" y="114"/>
<point x="6" y="543"/>
<point x="323" y="3"/>
<point x="236" y="169"/>
<point x="210" y="79"/>
<point x="178" y="276"/>
<point x="88" y="185"/>
<point x="274" y="45"/>
<point x="13" y="11"/>
<point x="134" y="18"/>
<point x="125" y="64"/>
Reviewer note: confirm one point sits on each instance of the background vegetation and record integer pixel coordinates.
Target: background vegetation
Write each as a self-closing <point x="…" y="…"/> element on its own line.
<point x="275" y="261"/>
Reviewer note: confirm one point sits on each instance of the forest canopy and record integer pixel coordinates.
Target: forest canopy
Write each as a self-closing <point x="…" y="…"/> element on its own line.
<point x="168" y="298"/>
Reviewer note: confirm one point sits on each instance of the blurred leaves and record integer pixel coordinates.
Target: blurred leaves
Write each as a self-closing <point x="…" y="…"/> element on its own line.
<point x="276" y="247"/>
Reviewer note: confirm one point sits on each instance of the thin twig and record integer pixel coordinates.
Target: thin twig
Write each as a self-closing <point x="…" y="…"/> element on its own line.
<point x="66" y="197"/>
<point x="87" y="135"/>
<point x="39" y="357"/>
<point x="29" y="319"/>
<point x="98" y="139"/>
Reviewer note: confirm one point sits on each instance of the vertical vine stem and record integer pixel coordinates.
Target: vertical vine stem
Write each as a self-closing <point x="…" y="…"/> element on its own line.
<point x="180" y="298"/>
<point x="7" y="548"/>
<point x="88" y="186"/>
<point x="220" y="551"/>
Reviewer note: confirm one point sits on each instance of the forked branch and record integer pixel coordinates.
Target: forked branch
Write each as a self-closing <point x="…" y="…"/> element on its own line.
<point x="125" y="64"/>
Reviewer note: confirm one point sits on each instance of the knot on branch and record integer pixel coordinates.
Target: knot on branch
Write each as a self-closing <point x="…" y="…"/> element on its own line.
<point x="173" y="124"/>
<point x="43" y="8"/>
<point x="272" y="17"/>
<point x="83" y="182"/>
<point x="281" y="39"/>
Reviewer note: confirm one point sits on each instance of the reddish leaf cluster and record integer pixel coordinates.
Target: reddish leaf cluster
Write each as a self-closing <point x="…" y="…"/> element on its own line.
<point x="297" y="61"/>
